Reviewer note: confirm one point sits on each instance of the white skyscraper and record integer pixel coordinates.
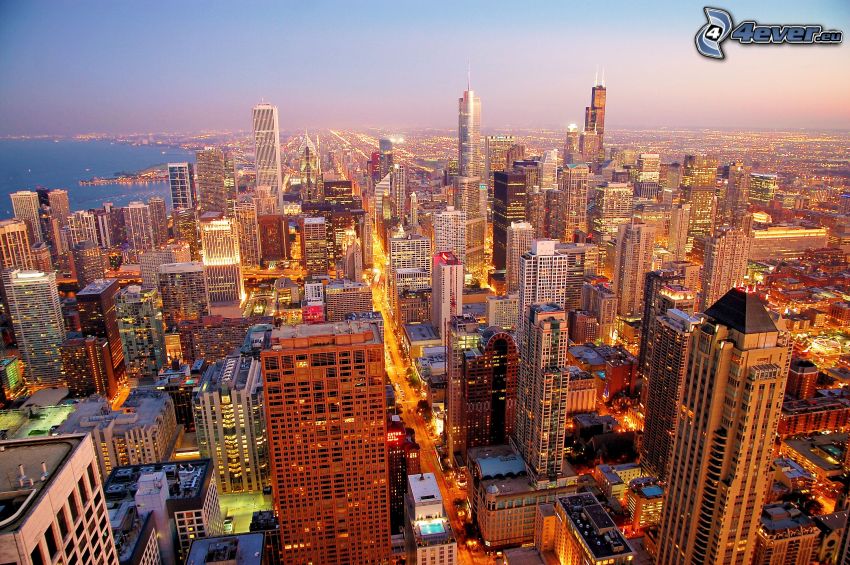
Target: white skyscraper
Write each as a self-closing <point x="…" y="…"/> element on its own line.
<point x="632" y="260"/>
<point x="137" y="219"/>
<point x="83" y="227"/>
<point x="447" y="289"/>
<point x="469" y="134"/>
<point x="181" y="178"/>
<point x="520" y="236"/>
<point x="37" y="320"/>
<point x="450" y="232"/>
<point x="267" y="147"/>
<point x="222" y="268"/>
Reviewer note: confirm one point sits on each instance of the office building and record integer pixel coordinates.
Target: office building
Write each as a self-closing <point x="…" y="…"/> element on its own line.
<point x="26" y="208"/>
<point x="230" y="424"/>
<point x="788" y="243"/>
<point x="509" y="202"/>
<point x="594" y="121"/>
<point x="185" y="223"/>
<point x="248" y="232"/>
<point x="267" y="147"/>
<point x="314" y="245"/>
<point x="215" y="337"/>
<point x="344" y="297"/>
<point x="600" y="300"/>
<point x="222" y="266"/>
<point x="55" y="507"/>
<point x="183" y="289"/>
<point x="762" y="189"/>
<point x="720" y="468"/>
<point x="340" y="456"/>
<point x="142" y="431"/>
<point x="786" y="536"/>
<point x="429" y="537"/>
<point x="496" y="149"/>
<point x="213" y="193"/>
<point x="402" y="460"/>
<point x="469" y="134"/>
<point x="274" y="237"/>
<point x="87" y="367"/>
<point x="181" y="181"/>
<point x="677" y="233"/>
<point x="159" y="220"/>
<point x="503" y="311"/>
<point x="520" y="236"/>
<point x="585" y="533"/>
<point x="139" y="314"/>
<point x="471" y="199"/>
<point x="89" y="262"/>
<point x="36" y="316"/>
<point x="15" y="250"/>
<point x="632" y="260"/>
<point x="82" y="226"/>
<point x="725" y="264"/>
<point x="139" y="226"/>
<point x="612" y="204"/>
<point x="446" y="290"/>
<point x="450" y="232"/>
<point x="179" y="497"/>
<point x="573" y="183"/>
<point x="96" y="305"/>
<point x="665" y="369"/>
<point x="802" y="379"/>
<point x="150" y="261"/>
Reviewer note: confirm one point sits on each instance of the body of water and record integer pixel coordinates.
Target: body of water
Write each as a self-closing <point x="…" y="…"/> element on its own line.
<point x="43" y="163"/>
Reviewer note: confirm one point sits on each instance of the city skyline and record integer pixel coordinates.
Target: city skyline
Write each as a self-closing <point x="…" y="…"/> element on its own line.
<point x="417" y="64"/>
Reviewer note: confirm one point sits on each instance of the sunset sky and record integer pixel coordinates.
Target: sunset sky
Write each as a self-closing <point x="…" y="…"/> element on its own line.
<point x="120" y="67"/>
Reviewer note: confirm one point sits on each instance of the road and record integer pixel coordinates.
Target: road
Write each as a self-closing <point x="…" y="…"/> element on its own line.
<point x="397" y="367"/>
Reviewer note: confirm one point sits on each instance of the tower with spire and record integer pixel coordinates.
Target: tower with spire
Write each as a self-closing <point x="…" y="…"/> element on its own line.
<point x="469" y="132"/>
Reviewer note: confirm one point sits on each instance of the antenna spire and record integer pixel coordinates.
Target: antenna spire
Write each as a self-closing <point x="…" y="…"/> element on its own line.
<point x="596" y="76"/>
<point x="603" y="76"/>
<point x="468" y="75"/>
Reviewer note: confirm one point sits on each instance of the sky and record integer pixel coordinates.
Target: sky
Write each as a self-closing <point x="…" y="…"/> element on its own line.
<point x="120" y="66"/>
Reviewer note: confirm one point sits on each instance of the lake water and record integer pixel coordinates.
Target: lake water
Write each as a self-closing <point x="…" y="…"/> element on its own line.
<point x="43" y="163"/>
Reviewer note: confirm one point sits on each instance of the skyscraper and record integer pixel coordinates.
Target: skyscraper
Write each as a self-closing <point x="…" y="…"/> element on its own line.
<point x="139" y="315"/>
<point x="699" y="179"/>
<point x="572" y="144"/>
<point x="762" y="188"/>
<point x="496" y="148"/>
<point x="314" y="245"/>
<point x="15" y="252"/>
<point x="613" y="205"/>
<point x="248" y="230"/>
<point x="137" y="218"/>
<point x="725" y="263"/>
<point x="573" y="184"/>
<point x="594" y="123"/>
<point x="222" y="267"/>
<point x="509" y="197"/>
<point x="472" y="200"/>
<point x="720" y="470"/>
<point x="213" y="194"/>
<point x="446" y="289"/>
<point x="469" y="134"/>
<point x="25" y="207"/>
<point x="96" y="304"/>
<point x="82" y="226"/>
<point x="87" y="367"/>
<point x="267" y="147"/>
<point x="159" y="220"/>
<point x="677" y="234"/>
<point x="186" y="230"/>
<point x="181" y="179"/>
<point x="184" y="293"/>
<point x="520" y="236"/>
<point x="666" y="361"/>
<point x="149" y="261"/>
<point x="632" y="260"/>
<point x="450" y="232"/>
<point x="89" y="262"/>
<point x="37" y="321"/>
<point x="328" y="460"/>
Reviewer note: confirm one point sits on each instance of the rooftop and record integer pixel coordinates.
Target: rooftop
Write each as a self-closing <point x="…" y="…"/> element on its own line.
<point x="186" y="479"/>
<point x="424" y="488"/>
<point x="596" y="528"/>
<point x="233" y="371"/>
<point x="97" y="287"/>
<point x="783" y="516"/>
<point x="32" y="421"/>
<point x="245" y="549"/>
<point x="27" y="468"/>
<point x="421" y="332"/>
<point x="142" y="408"/>
<point x="328" y="329"/>
<point x="742" y="311"/>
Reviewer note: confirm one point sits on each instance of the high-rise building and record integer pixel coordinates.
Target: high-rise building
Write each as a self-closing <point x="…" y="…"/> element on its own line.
<point x="344" y="297"/>
<point x="786" y="536"/>
<point x="737" y="193"/>
<point x="472" y="199"/>
<point x="314" y="245"/>
<point x="15" y="252"/>
<point x="230" y="423"/>
<point x="63" y="494"/>
<point x="403" y="460"/>
<point x="600" y="300"/>
<point x="12" y="385"/>
<point x="428" y="533"/>
<point x="409" y="265"/>
<point x="488" y="392"/>
<point x="323" y="453"/>
<point x="139" y="314"/>
<point x="213" y="194"/>
<point x="666" y="359"/>
<point x="186" y="230"/>
<point x="542" y="392"/>
<point x="612" y="205"/>
<point x="248" y="231"/>
<point x="725" y="263"/>
<point x="267" y="147"/>
<point x="594" y="120"/>
<point x="87" y="367"/>
<point x="25" y="207"/>
<point x="274" y="237"/>
<point x="183" y="289"/>
<point x="677" y="234"/>
<point x="572" y="144"/>
<point x="36" y="316"/>
<point x="632" y="260"/>
<point x="573" y="184"/>
<point x="762" y="189"/>
<point x="509" y="197"/>
<point x="149" y="261"/>
<point x="222" y="266"/>
<point x="58" y="211"/>
<point x="142" y="431"/>
<point x="159" y="220"/>
<point x="547" y="170"/>
<point x="520" y="235"/>
<point x="553" y="272"/>
<point x="496" y="148"/>
<point x="181" y="179"/>
<point x="720" y="470"/>
<point x="802" y="379"/>
<point x="446" y="289"/>
<point x="96" y="304"/>
<point x="463" y="336"/>
<point x="137" y="219"/>
<point x="469" y="134"/>
<point x="450" y="232"/>
<point x="82" y="226"/>
<point x="385" y="150"/>
<point x="699" y="180"/>
<point x="41" y="259"/>
<point x="585" y="533"/>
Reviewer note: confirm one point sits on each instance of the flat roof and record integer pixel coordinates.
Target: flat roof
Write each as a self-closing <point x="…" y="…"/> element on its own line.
<point x="245" y="549"/>
<point x="595" y="526"/>
<point x="424" y="488"/>
<point x="97" y="286"/>
<point x="421" y="332"/>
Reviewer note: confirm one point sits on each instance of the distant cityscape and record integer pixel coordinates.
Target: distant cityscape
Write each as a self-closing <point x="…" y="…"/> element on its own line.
<point x="583" y="346"/>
